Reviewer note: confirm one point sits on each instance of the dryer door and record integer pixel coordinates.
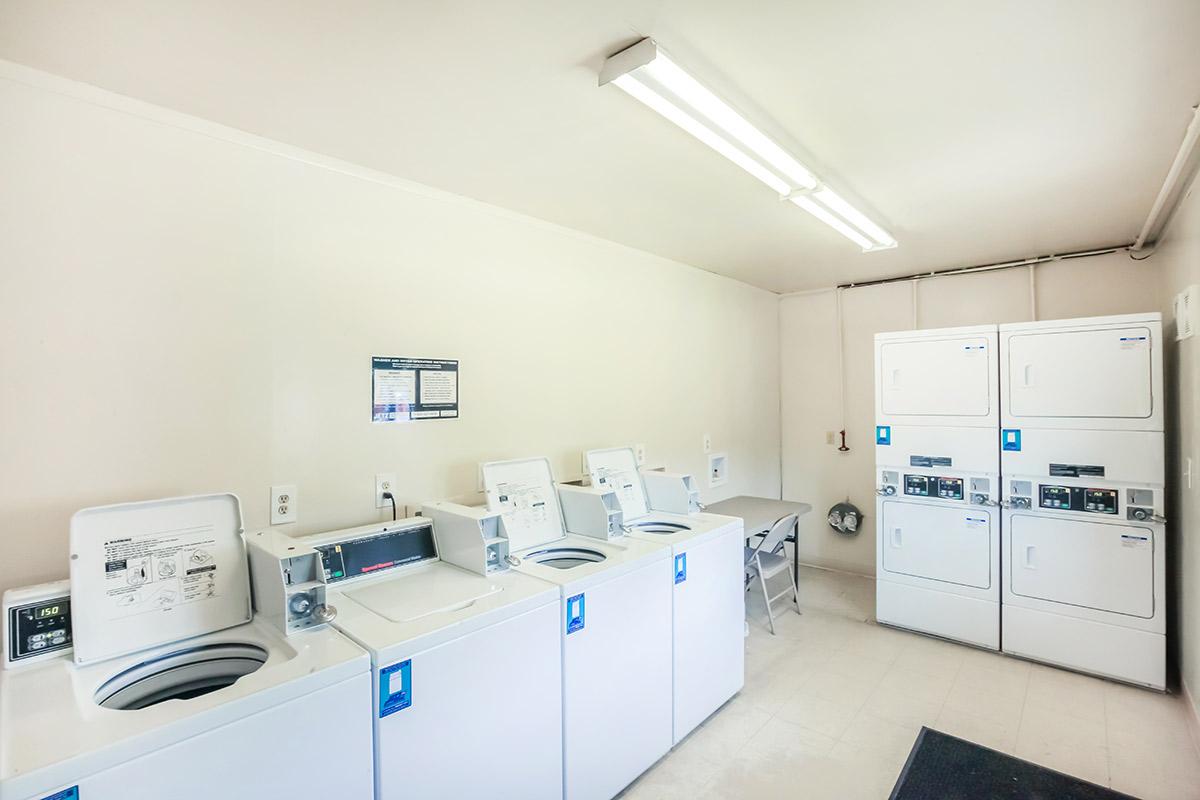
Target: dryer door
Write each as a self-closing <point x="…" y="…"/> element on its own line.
<point x="1098" y="565"/>
<point x="1103" y="374"/>
<point x="938" y="543"/>
<point x="948" y="377"/>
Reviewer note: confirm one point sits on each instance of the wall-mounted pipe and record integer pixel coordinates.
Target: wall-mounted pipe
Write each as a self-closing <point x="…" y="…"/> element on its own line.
<point x="1178" y="177"/>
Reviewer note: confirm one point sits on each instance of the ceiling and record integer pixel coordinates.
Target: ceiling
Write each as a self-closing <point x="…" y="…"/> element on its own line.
<point x="974" y="131"/>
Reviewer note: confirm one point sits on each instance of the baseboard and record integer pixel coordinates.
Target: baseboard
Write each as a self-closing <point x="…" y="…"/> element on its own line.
<point x="1193" y="715"/>
<point x="841" y="569"/>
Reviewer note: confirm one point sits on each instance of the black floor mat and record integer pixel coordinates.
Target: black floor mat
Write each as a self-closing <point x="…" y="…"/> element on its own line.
<point x="942" y="767"/>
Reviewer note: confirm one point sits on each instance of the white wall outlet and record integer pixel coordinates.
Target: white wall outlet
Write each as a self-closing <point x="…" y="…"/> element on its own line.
<point x="707" y="444"/>
<point x="718" y="469"/>
<point x="384" y="482"/>
<point x="1187" y="471"/>
<point x="828" y="437"/>
<point x="639" y="453"/>
<point x="284" y="504"/>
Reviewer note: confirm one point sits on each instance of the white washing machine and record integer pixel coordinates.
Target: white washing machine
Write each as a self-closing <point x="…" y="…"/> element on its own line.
<point x="466" y="698"/>
<point x="708" y="599"/>
<point x="937" y="466"/>
<point x="1084" y="546"/>
<point x="615" y="629"/>
<point x="173" y="689"/>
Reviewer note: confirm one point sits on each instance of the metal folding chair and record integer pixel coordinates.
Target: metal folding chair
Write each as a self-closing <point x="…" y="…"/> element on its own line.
<point x="765" y="561"/>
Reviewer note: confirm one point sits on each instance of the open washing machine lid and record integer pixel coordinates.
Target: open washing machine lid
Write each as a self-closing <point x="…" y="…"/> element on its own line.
<point x="523" y="491"/>
<point x="615" y="469"/>
<point x="146" y="574"/>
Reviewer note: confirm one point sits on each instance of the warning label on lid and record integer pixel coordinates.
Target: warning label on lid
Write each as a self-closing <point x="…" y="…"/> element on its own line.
<point x="159" y="571"/>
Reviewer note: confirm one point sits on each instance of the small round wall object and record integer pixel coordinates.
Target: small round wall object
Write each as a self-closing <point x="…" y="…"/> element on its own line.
<point x="845" y="518"/>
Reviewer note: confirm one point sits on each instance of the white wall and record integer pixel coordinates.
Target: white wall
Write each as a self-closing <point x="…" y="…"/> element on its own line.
<point x="816" y="472"/>
<point x="1178" y="258"/>
<point x="185" y="309"/>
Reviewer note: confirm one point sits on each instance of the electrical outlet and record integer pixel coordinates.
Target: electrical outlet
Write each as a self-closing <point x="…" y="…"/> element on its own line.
<point x="707" y="444"/>
<point x="828" y="437"/>
<point x="639" y="453"/>
<point x="284" y="504"/>
<point x="1187" y="472"/>
<point x="384" y="482"/>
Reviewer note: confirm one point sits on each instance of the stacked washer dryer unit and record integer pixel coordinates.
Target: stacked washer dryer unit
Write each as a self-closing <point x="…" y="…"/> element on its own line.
<point x="615" y="625"/>
<point x="1082" y="449"/>
<point x="465" y="655"/>
<point x="937" y="467"/>
<point x="708" y="598"/>
<point x="160" y="610"/>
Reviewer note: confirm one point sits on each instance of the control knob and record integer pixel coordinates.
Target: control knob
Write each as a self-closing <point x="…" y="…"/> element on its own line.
<point x="1141" y="514"/>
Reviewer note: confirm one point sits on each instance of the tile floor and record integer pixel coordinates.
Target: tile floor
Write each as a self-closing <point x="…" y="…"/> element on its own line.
<point x="833" y="703"/>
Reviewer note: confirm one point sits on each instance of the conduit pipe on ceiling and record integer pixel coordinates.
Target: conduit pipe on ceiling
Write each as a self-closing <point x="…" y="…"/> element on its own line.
<point x="1178" y="177"/>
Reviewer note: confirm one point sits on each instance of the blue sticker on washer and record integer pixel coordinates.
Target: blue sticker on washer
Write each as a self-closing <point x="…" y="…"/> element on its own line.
<point x="575" y="613"/>
<point x="681" y="568"/>
<point x="883" y="434"/>
<point x="1010" y="439"/>
<point x="395" y="688"/>
<point x="65" y="794"/>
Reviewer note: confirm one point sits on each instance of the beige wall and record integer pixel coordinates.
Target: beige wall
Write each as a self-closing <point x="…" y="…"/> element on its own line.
<point x="816" y="472"/>
<point x="188" y="309"/>
<point x="1178" y="259"/>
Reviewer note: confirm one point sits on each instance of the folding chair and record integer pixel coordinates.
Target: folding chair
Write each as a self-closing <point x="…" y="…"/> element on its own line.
<point x="765" y="561"/>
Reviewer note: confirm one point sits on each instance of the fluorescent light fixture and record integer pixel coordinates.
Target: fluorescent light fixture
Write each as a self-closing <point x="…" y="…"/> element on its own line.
<point x="646" y="73"/>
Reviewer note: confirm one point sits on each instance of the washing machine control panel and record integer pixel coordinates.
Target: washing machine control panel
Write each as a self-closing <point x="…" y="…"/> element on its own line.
<point x="933" y="486"/>
<point x="1078" y="498"/>
<point x="376" y="552"/>
<point x="38" y="628"/>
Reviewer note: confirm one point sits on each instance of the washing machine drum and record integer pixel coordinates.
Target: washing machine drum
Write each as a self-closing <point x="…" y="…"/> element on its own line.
<point x="651" y="526"/>
<point x="180" y="675"/>
<point x="566" y="557"/>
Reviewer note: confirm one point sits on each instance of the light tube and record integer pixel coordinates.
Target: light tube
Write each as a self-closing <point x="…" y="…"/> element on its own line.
<point x="807" y="203"/>
<point x="647" y="74"/>
<point x="640" y="91"/>
<point x="855" y="217"/>
<point x="711" y="107"/>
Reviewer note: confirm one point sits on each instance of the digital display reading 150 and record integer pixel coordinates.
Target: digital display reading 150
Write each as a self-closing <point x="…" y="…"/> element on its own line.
<point x="48" y="611"/>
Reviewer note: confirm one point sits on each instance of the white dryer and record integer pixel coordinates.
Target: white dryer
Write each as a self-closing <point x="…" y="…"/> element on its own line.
<point x="1084" y="545"/>
<point x="467" y="673"/>
<point x="615" y="629"/>
<point x="173" y="689"/>
<point x="937" y="467"/>
<point x="708" y="599"/>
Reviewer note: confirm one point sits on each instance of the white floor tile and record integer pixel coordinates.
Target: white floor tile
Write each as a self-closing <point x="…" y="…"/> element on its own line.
<point x="832" y="706"/>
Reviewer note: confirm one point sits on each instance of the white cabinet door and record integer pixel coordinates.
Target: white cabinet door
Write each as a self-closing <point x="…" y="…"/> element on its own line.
<point x="1099" y="565"/>
<point x="1094" y="374"/>
<point x="938" y="543"/>
<point x="935" y="377"/>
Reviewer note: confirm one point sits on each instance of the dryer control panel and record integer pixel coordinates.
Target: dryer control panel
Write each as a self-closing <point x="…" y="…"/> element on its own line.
<point x="933" y="486"/>
<point x="962" y="488"/>
<point x="1078" y="498"/>
<point x="377" y="551"/>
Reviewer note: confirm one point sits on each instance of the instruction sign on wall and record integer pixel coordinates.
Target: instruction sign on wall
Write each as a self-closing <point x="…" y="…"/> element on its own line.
<point x="404" y="389"/>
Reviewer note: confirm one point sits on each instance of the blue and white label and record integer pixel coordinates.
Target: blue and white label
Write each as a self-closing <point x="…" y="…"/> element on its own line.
<point x="1131" y="342"/>
<point x="973" y="349"/>
<point x="977" y="522"/>
<point x="1133" y="540"/>
<point x="395" y="688"/>
<point x="575" y="613"/>
<point x="1010" y="439"/>
<point x="681" y="568"/>
<point x="66" y="794"/>
<point x="883" y="434"/>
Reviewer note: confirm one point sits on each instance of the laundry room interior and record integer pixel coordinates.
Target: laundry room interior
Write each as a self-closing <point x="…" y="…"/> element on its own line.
<point x="562" y="401"/>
